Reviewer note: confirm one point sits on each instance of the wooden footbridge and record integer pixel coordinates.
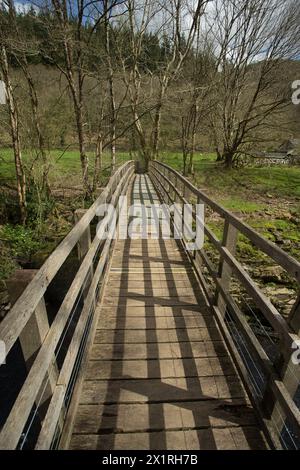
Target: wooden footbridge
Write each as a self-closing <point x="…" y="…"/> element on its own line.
<point x="149" y="348"/>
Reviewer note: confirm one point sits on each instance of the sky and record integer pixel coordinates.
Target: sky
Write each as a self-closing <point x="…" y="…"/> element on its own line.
<point x="22" y="6"/>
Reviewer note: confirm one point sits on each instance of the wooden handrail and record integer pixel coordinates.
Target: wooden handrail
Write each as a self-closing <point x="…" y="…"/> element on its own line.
<point x="18" y="316"/>
<point x="290" y="264"/>
<point x="14" y="425"/>
<point x="272" y="315"/>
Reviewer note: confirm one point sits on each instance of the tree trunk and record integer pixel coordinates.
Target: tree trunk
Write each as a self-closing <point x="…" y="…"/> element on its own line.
<point x="35" y="114"/>
<point x="156" y="129"/>
<point x="110" y="75"/>
<point x="193" y="142"/>
<point x="83" y="157"/>
<point x="21" y="58"/>
<point x="184" y="144"/>
<point x="98" y="161"/>
<point x="140" y="132"/>
<point x="220" y="157"/>
<point x="228" y="158"/>
<point x="184" y="163"/>
<point x="157" y="120"/>
<point x="15" y="135"/>
<point x="76" y="88"/>
<point x="191" y="162"/>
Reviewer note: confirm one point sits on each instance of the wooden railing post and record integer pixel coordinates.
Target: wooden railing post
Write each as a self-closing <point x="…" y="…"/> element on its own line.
<point x="33" y="334"/>
<point x="288" y="370"/>
<point x="199" y="201"/>
<point x="229" y="241"/>
<point x="84" y="242"/>
<point x="294" y="317"/>
<point x="83" y="247"/>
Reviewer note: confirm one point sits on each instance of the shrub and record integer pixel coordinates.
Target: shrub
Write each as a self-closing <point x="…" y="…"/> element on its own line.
<point x="22" y="241"/>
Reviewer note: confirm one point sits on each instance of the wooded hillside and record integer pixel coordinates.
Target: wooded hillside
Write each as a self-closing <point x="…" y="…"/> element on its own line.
<point x="145" y="76"/>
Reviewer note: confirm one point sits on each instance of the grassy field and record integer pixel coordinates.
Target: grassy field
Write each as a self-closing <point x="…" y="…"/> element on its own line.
<point x="274" y="181"/>
<point x="65" y="167"/>
<point x="279" y="180"/>
<point x="266" y="198"/>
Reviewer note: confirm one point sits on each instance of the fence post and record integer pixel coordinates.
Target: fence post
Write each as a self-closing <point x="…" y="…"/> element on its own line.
<point x="199" y="201"/>
<point x="289" y="372"/>
<point x="83" y="247"/>
<point x="294" y="317"/>
<point x="33" y="334"/>
<point x="229" y="241"/>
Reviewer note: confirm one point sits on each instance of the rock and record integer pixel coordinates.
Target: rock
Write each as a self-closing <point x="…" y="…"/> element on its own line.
<point x="283" y="215"/>
<point x="278" y="238"/>
<point x="284" y="291"/>
<point x="282" y="298"/>
<point x="271" y="274"/>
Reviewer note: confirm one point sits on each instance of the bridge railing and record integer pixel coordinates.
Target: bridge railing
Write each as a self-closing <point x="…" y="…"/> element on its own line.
<point x="269" y="370"/>
<point x="36" y="416"/>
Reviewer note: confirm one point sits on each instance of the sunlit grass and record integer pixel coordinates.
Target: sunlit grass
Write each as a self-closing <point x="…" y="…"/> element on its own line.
<point x="65" y="165"/>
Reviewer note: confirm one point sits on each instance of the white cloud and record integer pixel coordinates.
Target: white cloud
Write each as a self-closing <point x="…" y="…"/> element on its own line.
<point x="23" y="8"/>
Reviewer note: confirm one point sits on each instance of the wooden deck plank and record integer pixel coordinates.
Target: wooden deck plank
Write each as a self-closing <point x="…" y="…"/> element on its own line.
<point x="157" y="311"/>
<point x="136" y="351"/>
<point x="135" y="300"/>
<point x="136" y="417"/>
<point x="109" y="321"/>
<point x="151" y="291"/>
<point x="163" y="368"/>
<point x="150" y="390"/>
<point x="240" y="438"/>
<point x="155" y="336"/>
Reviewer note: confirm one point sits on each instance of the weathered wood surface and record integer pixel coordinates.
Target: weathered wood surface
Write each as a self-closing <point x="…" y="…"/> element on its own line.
<point x="159" y="375"/>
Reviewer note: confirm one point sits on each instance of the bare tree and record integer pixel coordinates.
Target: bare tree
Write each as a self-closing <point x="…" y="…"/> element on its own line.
<point x="13" y="113"/>
<point x="252" y="38"/>
<point x="110" y="80"/>
<point x="181" y="22"/>
<point x="199" y="78"/>
<point x="70" y="39"/>
<point x="174" y="21"/>
<point x="20" y="49"/>
<point x="134" y="30"/>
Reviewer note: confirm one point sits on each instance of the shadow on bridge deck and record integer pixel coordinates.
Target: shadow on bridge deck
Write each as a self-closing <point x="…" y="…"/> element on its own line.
<point x="159" y="375"/>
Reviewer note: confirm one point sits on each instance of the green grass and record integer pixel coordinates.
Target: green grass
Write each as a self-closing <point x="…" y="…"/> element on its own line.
<point x="284" y="181"/>
<point x="276" y="180"/>
<point x="203" y="163"/>
<point x="266" y="198"/>
<point x="240" y="205"/>
<point x="63" y="164"/>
